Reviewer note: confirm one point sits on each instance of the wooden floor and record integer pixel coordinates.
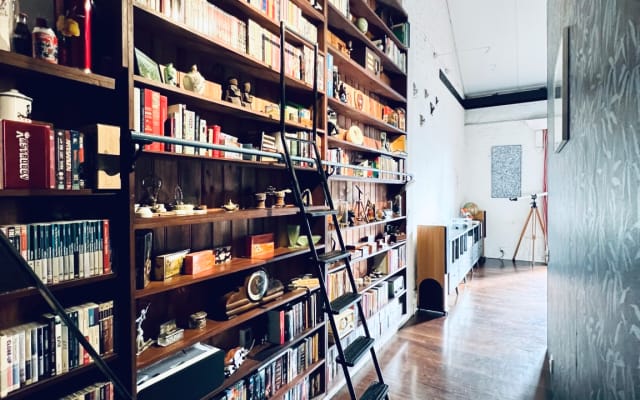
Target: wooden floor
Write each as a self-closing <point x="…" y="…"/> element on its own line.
<point x="492" y="345"/>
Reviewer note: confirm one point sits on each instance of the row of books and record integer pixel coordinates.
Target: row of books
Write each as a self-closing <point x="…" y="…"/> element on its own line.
<point x="390" y="261"/>
<point x="205" y="18"/>
<point x="309" y="388"/>
<point x="375" y="298"/>
<point x="38" y="156"/>
<point x="264" y="45"/>
<point x="288" y="11"/>
<point x="38" y="350"/>
<point x="63" y="250"/>
<point x="337" y="284"/>
<point x="97" y="391"/>
<point x="382" y="167"/>
<point x="383" y="322"/>
<point x="389" y="47"/>
<point x="266" y="381"/>
<point x="284" y="325"/>
<point x="341" y="5"/>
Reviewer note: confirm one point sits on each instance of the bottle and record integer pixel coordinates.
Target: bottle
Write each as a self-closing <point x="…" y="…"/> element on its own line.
<point x="21" y="38"/>
<point x="45" y="42"/>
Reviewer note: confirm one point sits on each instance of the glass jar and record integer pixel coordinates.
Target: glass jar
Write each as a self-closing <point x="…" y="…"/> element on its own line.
<point x="21" y="38"/>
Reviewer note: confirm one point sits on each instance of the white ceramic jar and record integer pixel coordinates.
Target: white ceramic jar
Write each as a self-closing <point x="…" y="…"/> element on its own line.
<point x="15" y="106"/>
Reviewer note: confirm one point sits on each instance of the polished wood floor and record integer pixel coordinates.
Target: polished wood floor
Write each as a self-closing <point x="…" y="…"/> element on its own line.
<point x="492" y="345"/>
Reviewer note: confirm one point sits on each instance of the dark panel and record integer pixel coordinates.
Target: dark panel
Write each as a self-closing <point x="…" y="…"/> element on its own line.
<point x="594" y="285"/>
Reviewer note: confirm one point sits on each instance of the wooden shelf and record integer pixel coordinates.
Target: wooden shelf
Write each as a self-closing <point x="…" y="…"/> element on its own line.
<point x="215" y="215"/>
<point x="215" y="105"/>
<point x="348" y="111"/>
<point x="235" y="265"/>
<point x="348" y="67"/>
<point x="338" y="21"/>
<point x="35" y="390"/>
<point x="335" y="142"/>
<point x="151" y="19"/>
<point x="212" y="328"/>
<point x="377" y="252"/>
<point x="361" y="9"/>
<point x="274" y="26"/>
<point x="52" y="192"/>
<point x="18" y="63"/>
<point x="31" y="291"/>
<point x="370" y="224"/>
<point x="253" y="362"/>
<point x="348" y="178"/>
<point x="367" y="286"/>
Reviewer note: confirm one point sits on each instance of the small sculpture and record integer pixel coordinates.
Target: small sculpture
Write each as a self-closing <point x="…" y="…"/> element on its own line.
<point x="307" y="199"/>
<point x="234" y="359"/>
<point x="342" y="92"/>
<point x="230" y="206"/>
<point x="233" y="94"/>
<point x="152" y="185"/>
<point x="397" y="206"/>
<point x="247" y="97"/>
<point x="193" y="80"/>
<point x="261" y="200"/>
<point x="170" y="75"/>
<point x="142" y="344"/>
<point x="278" y="194"/>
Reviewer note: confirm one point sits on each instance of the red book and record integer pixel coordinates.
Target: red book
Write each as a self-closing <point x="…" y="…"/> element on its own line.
<point x="163" y="119"/>
<point x="215" y="139"/>
<point x="106" y="247"/>
<point x="28" y="155"/>
<point x="147" y="126"/>
<point x="155" y="118"/>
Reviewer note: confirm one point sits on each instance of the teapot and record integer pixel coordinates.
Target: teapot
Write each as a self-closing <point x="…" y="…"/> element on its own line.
<point x="230" y="206"/>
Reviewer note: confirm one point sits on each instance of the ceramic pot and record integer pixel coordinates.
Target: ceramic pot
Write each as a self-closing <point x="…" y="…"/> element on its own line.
<point x="15" y="106"/>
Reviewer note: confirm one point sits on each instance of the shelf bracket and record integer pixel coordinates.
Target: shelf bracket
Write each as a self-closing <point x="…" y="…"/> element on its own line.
<point x="138" y="149"/>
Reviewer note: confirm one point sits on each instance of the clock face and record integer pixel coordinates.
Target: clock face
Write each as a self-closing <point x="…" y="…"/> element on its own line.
<point x="257" y="285"/>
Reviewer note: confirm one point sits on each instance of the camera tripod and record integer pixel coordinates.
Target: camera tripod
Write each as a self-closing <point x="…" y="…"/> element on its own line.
<point x="532" y="219"/>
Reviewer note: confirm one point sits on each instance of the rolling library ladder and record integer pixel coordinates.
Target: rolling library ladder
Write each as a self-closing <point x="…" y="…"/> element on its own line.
<point x="347" y="356"/>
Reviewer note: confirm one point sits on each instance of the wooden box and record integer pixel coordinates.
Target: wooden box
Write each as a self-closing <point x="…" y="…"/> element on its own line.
<point x="168" y="265"/>
<point x="103" y="156"/>
<point x="260" y="246"/>
<point x="368" y="59"/>
<point x="212" y="90"/>
<point x="199" y="261"/>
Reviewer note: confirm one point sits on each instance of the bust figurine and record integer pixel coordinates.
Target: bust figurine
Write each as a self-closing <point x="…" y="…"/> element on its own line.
<point x="247" y="97"/>
<point x="233" y="94"/>
<point x="170" y="75"/>
<point x="193" y="80"/>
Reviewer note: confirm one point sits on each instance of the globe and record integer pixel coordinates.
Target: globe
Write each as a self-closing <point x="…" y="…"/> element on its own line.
<point x="471" y="207"/>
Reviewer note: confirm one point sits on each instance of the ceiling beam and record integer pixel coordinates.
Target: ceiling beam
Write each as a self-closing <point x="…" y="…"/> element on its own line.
<point x="497" y="99"/>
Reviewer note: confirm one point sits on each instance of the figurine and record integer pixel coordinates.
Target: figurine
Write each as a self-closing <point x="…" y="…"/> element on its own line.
<point x="233" y="94"/>
<point x="152" y="185"/>
<point x="307" y="199"/>
<point x="193" y="80"/>
<point x="261" y="200"/>
<point x="397" y="206"/>
<point x="170" y="75"/>
<point x="141" y="344"/>
<point x="278" y="194"/>
<point x="342" y="92"/>
<point x="234" y="359"/>
<point x="247" y="97"/>
<point x="230" y="206"/>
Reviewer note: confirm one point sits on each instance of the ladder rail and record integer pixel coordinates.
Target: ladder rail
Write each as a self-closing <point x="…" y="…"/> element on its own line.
<point x="305" y="217"/>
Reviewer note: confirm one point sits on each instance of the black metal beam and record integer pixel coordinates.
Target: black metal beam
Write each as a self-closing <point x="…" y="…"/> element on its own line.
<point x="524" y="96"/>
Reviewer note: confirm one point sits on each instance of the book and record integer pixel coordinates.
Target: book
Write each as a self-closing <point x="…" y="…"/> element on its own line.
<point x="27" y="155"/>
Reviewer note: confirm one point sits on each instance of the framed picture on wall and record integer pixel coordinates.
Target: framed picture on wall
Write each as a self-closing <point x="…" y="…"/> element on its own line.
<point x="561" y="93"/>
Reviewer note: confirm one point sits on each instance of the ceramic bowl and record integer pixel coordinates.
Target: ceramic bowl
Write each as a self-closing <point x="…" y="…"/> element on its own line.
<point x="303" y="242"/>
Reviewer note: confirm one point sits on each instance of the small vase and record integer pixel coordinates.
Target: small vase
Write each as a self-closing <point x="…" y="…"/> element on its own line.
<point x="194" y="81"/>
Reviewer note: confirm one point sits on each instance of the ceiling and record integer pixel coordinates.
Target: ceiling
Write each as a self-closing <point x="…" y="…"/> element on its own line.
<point x="501" y="45"/>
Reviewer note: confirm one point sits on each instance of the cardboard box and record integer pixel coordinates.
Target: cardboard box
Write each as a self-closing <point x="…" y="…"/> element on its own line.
<point x="260" y="246"/>
<point x="168" y="265"/>
<point x="199" y="261"/>
<point x="102" y="146"/>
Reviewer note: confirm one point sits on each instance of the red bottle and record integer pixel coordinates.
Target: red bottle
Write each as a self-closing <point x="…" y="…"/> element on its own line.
<point x="73" y="24"/>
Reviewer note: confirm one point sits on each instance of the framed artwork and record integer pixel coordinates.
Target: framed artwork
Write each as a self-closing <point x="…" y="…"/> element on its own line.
<point x="506" y="171"/>
<point x="561" y="94"/>
<point x="147" y="68"/>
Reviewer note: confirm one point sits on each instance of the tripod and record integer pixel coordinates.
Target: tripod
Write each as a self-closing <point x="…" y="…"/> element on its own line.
<point x="530" y="218"/>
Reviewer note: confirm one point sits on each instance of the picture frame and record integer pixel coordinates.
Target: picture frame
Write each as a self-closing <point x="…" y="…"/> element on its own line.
<point x="561" y="92"/>
<point x="147" y="67"/>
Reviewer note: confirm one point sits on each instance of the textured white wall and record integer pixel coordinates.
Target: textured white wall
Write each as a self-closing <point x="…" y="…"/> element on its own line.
<point x="436" y="148"/>
<point x="505" y="219"/>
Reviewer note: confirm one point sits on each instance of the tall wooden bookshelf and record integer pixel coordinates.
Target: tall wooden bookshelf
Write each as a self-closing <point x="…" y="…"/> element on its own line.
<point x="214" y="176"/>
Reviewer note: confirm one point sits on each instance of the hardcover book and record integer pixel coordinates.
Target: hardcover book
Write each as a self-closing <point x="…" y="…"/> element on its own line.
<point x="27" y="155"/>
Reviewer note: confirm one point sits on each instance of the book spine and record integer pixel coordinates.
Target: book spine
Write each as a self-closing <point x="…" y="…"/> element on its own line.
<point x="59" y="159"/>
<point x="75" y="160"/>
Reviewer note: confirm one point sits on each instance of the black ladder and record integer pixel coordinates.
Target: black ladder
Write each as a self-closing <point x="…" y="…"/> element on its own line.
<point x="347" y="356"/>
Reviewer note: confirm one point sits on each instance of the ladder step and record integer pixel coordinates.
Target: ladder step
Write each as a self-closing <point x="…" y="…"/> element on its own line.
<point x="333" y="256"/>
<point x="356" y="350"/>
<point x="375" y="391"/>
<point x="322" y="213"/>
<point x="338" y="305"/>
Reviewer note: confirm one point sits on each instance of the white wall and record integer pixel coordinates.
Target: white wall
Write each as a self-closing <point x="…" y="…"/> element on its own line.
<point x="436" y="148"/>
<point x="505" y="219"/>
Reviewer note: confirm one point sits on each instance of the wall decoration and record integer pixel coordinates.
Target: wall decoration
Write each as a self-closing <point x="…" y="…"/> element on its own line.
<point x="506" y="171"/>
<point x="561" y="94"/>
